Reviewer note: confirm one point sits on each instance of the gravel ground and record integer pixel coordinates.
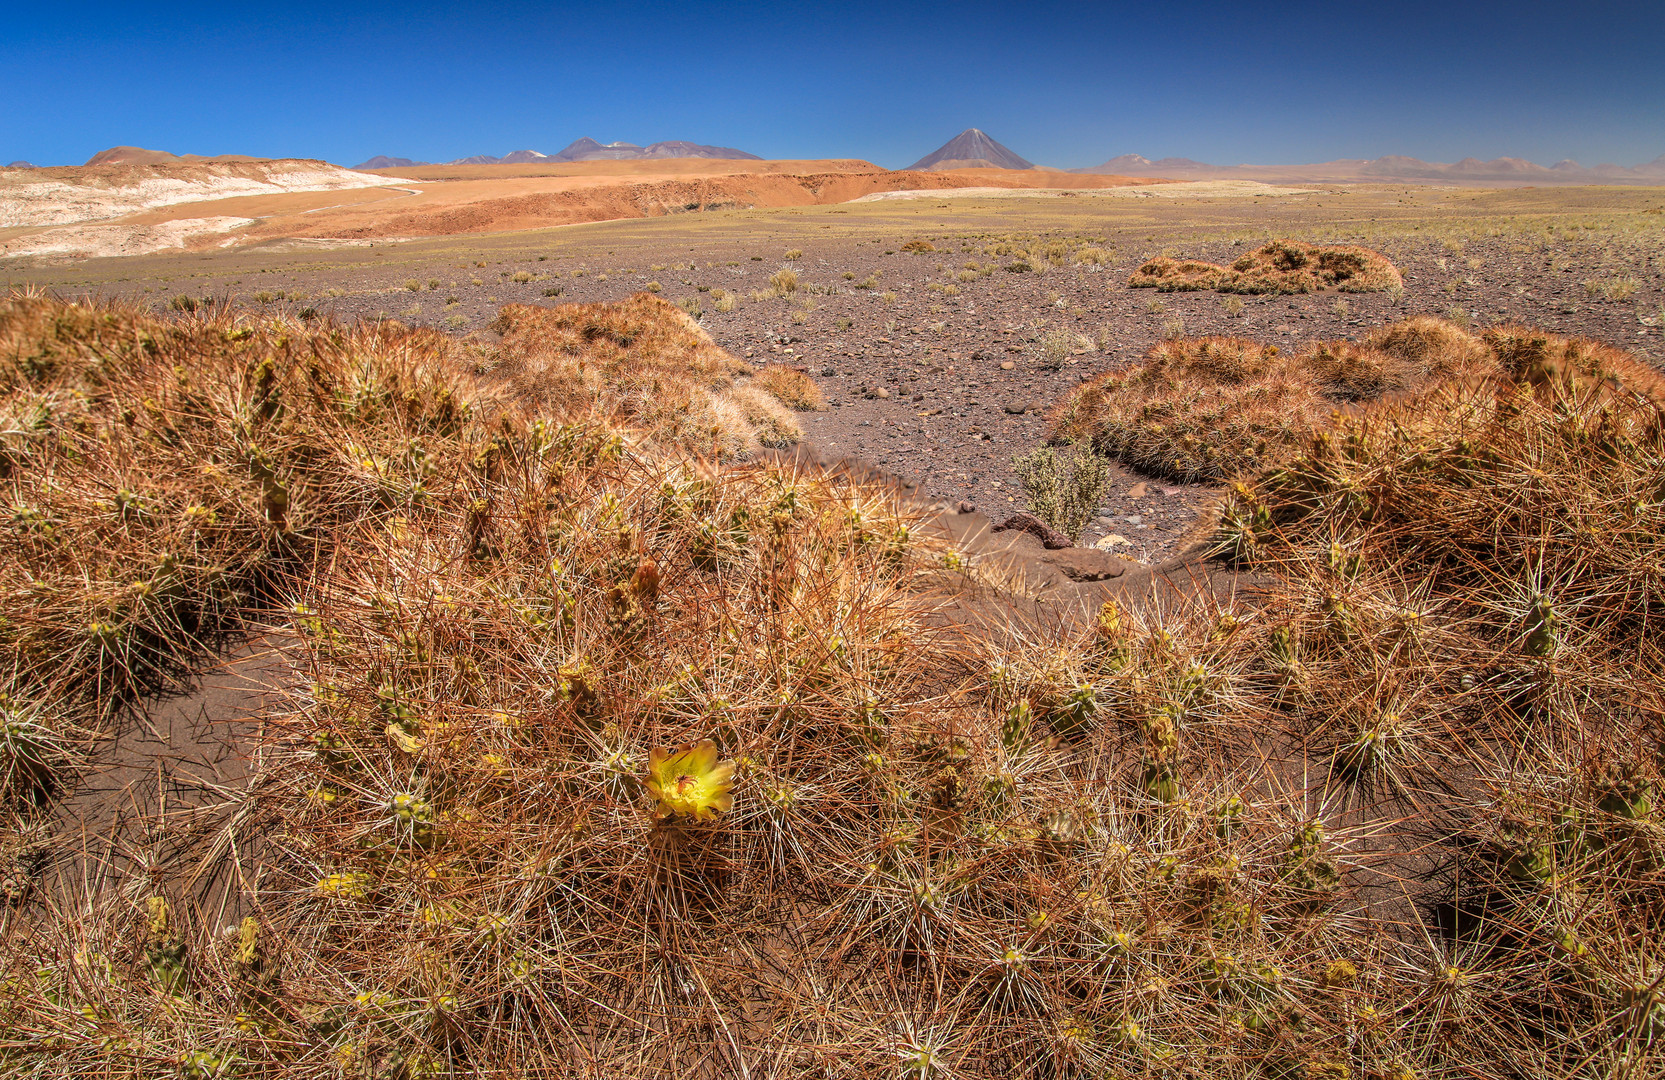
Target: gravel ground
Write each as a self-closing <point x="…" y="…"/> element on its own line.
<point x="936" y="364"/>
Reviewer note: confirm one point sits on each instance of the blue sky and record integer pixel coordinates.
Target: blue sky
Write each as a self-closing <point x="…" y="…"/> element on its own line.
<point x="1064" y="84"/>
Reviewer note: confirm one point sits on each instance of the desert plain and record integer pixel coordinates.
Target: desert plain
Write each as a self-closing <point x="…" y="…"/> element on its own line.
<point x="935" y="329"/>
<point x="553" y="620"/>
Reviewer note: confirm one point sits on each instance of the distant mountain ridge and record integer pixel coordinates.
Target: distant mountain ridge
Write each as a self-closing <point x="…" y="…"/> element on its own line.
<point x="970" y="149"/>
<point x="382" y="161"/>
<point x="583" y="149"/>
<point x="138" y="155"/>
<point x="1390" y="167"/>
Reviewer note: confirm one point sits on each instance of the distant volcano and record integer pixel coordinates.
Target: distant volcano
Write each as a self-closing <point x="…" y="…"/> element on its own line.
<point x="971" y="149"/>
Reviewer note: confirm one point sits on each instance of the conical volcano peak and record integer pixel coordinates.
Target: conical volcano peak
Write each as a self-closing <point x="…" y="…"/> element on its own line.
<point x="971" y="149"/>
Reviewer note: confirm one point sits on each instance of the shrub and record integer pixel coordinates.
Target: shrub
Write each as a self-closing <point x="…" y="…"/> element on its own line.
<point x="1063" y="489"/>
<point x="918" y="247"/>
<point x="1437" y="348"/>
<point x="413" y="285"/>
<point x="1053" y="348"/>
<point x="784" y="281"/>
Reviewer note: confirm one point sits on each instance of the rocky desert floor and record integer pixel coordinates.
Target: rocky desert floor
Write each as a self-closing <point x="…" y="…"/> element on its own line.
<point x="939" y="365"/>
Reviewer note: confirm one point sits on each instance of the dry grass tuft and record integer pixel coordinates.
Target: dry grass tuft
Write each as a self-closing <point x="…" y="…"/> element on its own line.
<point x="1541" y="358"/>
<point x="1200" y="408"/>
<point x="1221" y="408"/>
<point x="1438" y="349"/>
<point x="641" y="361"/>
<point x="1282" y="266"/>
<point x="1290" y="266"/>
<point x="1178" y="275"/>
<point x="794" y="388"/>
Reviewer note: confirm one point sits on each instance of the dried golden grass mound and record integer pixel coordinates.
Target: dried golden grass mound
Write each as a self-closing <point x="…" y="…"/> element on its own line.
<point x="1220" y="408"/>
<point x="1282" y="266"/>
<point x="1177" y="275"/>
<point x="1540" y="358"/>
<point x="1437" y="348"/>
<point x="1196" y="409"/>
<point x="155" y="476"/>
<point x="1345" y="371"/>
<point x="1572" y="466"/>
<point x="642" y="362"/>
<point x="1464" y="641"/>
<point x="1290" y="266"/>
<point x="795" y="389"/>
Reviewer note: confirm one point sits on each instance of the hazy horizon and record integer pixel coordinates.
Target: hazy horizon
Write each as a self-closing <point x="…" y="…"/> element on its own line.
<point x="1065" y="84"/>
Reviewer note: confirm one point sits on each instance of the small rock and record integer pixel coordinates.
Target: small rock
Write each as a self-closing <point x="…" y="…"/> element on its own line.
<point x="1016" y="408"/>
<point x="1114" y="540"/>
<point x="1138" y="491"/>
<point x="828" y="373"/>
<point x="1007" y="365"/>
<point x="967" y="507"/>
<point x="1024" y="521"/>
<point x="1134" y="519"/>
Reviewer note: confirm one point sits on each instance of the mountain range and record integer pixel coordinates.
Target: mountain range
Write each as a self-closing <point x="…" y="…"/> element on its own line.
<point x="970" y="149"/>
<point x="1507" y="170"/>
<point x="584" y="149"/>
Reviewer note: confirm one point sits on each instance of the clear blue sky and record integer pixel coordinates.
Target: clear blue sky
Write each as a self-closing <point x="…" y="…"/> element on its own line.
<point x="1064" y="84"/>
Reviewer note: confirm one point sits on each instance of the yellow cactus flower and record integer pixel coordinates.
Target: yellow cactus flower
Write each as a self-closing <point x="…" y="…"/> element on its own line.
<point x="689" y="781"/>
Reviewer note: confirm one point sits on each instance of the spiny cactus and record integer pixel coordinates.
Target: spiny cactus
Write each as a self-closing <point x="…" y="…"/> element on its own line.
<point x="1542" y="621"/>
